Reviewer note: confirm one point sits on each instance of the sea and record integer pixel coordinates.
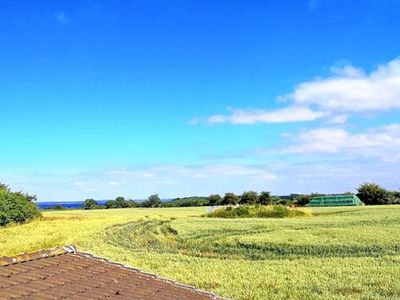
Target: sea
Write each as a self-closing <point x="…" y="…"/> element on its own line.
<point x="66" y="204"/>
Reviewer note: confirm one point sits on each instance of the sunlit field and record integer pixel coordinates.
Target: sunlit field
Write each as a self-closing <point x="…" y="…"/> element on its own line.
<point x="339" y="253"/>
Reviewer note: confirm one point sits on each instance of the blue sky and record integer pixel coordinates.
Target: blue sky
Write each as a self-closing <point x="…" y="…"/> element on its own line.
<point x="107" y="98"/>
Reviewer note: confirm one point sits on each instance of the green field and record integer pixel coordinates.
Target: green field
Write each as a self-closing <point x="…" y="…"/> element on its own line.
<point x="339" y="253"/>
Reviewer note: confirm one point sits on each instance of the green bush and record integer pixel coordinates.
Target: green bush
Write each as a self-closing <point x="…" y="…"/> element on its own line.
<point x="152" y="201"/>
<point x="186" y="202"/>
<point x="374" y="194"/>
<point x="214" y="199"/>
<point x="56" y="207"/>
<point x="271" y="211"/>
<point x="90" y="204"/>
<point x="16" y="207"/>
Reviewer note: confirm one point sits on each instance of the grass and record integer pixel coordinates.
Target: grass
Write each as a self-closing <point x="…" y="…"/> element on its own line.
<point x="258" y="211"/>
<point x="338" y="253"/>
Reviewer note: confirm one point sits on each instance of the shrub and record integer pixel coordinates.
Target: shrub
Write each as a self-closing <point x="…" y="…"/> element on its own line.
<point x="229" y="198"/>
<point x="271" y="211"/>
<point x="152" y="201"/>
<point x="373" y="194"/>
<point x="90" y="204"/>
<point x="186" y="202"/>
<point x="302" y="200"/>
<point x="119" y="202"/>
<point x="16" y="207"/>
<point x="264" y="198"/>
<point x="214" y="199"/>
<point x="249" y="197"/>
<point x="56" y="207"/>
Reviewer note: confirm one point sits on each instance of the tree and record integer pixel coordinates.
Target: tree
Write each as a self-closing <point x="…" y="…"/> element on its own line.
<point x="276" y="200"/>
<point x="214" y="199"/>
<point x="186" y="202"/>
<point x="152" y="201"/>
<point x="229" y="199"/>
<point x="132" y="203"/>
<point x="16" y="207"/>
<point x="120" y="202"/>
<point x="373" y="194"/>
<point x="89" y="204"/>
<point x="264" y="198"/>
<point x="249" y="197"/>
<point x="302" y="200"/>
<point x="396" y="197"/>
<point x="56" y="207"/>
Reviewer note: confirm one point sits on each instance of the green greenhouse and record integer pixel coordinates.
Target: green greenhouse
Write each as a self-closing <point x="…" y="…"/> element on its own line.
<point x="336" y="200"/>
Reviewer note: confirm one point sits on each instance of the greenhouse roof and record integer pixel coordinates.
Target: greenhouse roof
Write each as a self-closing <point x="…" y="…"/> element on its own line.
<point x="335" y="200"/>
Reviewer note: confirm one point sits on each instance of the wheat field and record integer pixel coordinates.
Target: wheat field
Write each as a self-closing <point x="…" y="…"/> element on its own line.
<point x="338" y="253"/>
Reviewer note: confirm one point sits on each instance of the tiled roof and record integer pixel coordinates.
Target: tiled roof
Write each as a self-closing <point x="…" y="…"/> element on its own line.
<point x="64" y="273"/>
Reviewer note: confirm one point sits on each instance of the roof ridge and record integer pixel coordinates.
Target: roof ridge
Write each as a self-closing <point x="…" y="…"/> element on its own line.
<point x="155" y="276"/>
<point x="43" y="253"/>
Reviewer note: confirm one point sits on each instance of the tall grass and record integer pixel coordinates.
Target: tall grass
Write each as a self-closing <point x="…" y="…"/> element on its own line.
<point x="258" y="211"/>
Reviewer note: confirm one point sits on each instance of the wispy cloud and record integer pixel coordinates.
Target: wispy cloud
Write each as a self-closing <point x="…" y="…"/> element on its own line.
<point x="252" y="116"/>
<point x="62" y="18"/>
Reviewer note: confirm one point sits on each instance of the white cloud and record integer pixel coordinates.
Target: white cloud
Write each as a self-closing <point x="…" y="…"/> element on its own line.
<point x="338" y="119"/>
<point x="381" y="142"/>
<point x="252" y="116"/>
<point x="347" y="91"/>
<point x="113" y="182"/>
<point x="352" y="90"/>
<point x="61" y="17"/>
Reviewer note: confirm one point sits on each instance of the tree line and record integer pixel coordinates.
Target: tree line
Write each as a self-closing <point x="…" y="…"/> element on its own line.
<point x="19" y="207"/>
<point x="248" y="197"/>
<point x="369" y="193"/>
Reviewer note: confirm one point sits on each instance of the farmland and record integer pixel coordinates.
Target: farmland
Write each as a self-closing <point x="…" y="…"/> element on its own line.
<point x="339" y="253"/>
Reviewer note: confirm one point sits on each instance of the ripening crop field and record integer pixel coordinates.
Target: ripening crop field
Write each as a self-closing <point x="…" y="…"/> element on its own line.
<point x="339" y="253"/>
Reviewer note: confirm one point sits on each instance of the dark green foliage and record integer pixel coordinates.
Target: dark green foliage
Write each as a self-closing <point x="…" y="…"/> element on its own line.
<point x="110" y="204"/>
<point x="249" y="197"/>
<point x="282" y="201"/>
<point x="120" y="202"/>
<point x="373" y="194"/>
<point x="302" y="200"/>
<point x="247" y="211"/>
<point x="214" y="199"/>
<point x="16" y="207"/>
<point x="56" y="207"/>
<point x="264" y="198"/>
<point x="152" y="201"/>
<point x="394" y="197"/>
<point x="277" y="200"/>
<point x="132" y="203"/>
<point x="90" y="204"/>
<point x="186" y="202"/>
<point x="229" y="199"/>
